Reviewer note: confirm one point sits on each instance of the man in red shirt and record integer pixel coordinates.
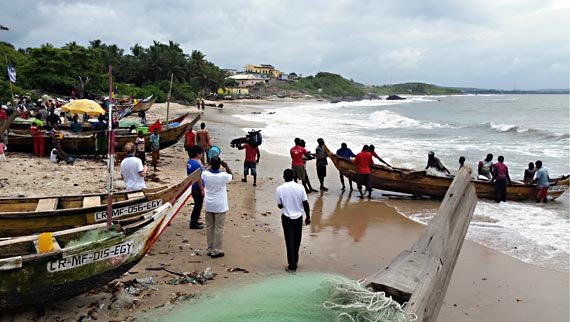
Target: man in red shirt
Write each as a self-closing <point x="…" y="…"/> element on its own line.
<point x="189" y="140"/>
<point x="252" y="156"/>
<point x="363" y="162"/>
<point x="297" y="164"/>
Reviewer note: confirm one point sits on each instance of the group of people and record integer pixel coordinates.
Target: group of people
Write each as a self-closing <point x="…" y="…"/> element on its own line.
<point x="498" y="173"/>
<point x="299" y="157"/>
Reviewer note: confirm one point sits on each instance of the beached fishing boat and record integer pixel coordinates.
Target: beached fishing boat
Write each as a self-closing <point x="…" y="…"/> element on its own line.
<point x="421" y="183"/>
<point x="38" y="269"/>
<point x="84" y="143"/>
<point x="144" y="104"/>
<point x="27" y="216"/>
<point x="24" y="124"/>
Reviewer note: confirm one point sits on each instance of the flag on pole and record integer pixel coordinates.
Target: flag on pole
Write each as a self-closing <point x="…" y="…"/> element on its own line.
<point x="11" y="73"/>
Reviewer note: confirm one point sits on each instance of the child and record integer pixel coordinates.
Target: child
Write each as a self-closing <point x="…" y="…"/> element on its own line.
<point x="139" y="143"/>
<point x="2" y="149"/>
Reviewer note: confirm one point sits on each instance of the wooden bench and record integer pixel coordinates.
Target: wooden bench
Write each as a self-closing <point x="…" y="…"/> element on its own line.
<point x="47" y="204"/>
<point x="135" y="195"/>
<point x="92" y="201"/>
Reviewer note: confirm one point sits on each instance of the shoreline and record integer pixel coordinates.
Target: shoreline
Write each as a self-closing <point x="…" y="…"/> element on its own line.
<point x="486" y="285"/>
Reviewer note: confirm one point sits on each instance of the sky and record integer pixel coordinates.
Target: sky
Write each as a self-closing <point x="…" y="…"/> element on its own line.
<point x="502" y="44"/>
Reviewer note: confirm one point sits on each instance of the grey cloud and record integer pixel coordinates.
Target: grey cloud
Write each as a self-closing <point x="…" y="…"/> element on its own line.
<point x="448" y="42"/>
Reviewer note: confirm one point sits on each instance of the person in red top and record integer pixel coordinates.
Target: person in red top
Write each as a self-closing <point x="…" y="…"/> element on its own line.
<point x="252" y="156"/>
<point x="3" y="114"/>
<point x="363" y="162"/>
<point x="297" y="165"/>
<point x="500" y="173"/>
<point x="37" y="139"/>
<point x="189" y="140"/>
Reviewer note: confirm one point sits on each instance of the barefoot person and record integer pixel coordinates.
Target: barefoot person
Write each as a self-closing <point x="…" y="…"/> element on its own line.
<point x="500" y="173"/>
<point x="363" y="162"/>
<point x="291" y="198"/>
<point x="155" y="148"/>
<point x="345" y="152"/>
<point x="252" y="156"/>
<point x="435" y="164"/>
<point x="542" y="182"/>
<point x="322" y="163"/>
<point x="192" y="165"/>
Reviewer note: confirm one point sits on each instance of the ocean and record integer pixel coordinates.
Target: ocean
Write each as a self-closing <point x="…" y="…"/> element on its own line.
<point x="522" y="128"/>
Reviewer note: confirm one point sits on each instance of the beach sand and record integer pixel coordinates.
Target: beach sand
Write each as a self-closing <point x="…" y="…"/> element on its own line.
<point x="348" y="236"/>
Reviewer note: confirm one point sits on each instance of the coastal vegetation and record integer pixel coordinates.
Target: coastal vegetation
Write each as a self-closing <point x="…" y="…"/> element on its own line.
<point x="142" y="72"/>
<point x="139" y="73"/>
<point x="412" y="89"/>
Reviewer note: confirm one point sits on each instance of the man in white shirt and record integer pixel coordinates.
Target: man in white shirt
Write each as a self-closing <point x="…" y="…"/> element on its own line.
<point x="291" y="198"/>
<point x="132" y="169"/>
<point x="216" y="204"/>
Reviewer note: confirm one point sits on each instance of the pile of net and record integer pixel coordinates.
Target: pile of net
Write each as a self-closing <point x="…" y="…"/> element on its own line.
<point x="353" y="302"/>
<point x="286" y="298"/>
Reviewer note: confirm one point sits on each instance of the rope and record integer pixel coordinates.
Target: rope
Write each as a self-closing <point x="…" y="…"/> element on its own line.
<point x="356" y="303"/>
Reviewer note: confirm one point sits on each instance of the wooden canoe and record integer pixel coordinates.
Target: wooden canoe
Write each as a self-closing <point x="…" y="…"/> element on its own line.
<point x="422" y="184"/>
<point x="27" y="216"/>
<point x="144" y="105"/>
<point x="419" y="277"/>
<point x="82" y="258"/>
<point x="84" y="143"/>
<point x="24" y="124"/>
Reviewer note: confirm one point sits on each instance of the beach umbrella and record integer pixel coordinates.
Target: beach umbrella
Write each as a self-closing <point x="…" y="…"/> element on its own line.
<point x="83" y="106"/>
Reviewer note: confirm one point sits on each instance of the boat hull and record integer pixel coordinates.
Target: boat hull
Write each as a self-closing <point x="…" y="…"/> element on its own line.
<point x="422" y="184"/>
<point x="18" y="216"/>
<point x="29" y="278"/>
<point x="85" y="143"/>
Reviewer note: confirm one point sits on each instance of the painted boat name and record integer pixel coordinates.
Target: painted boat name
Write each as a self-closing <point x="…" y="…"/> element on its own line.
<point x="90" y="257"/>
<point x="146" y="206"/>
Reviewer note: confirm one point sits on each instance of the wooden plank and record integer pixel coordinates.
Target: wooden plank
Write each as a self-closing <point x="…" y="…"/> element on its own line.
<point x="421" y="275"/>
<point x="47" y="204"/>
<point x="135" y="195"/>
<point x="91" y="201"/>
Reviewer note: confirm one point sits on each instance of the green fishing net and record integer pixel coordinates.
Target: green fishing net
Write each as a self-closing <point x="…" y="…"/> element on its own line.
<point x="300" y="297"/>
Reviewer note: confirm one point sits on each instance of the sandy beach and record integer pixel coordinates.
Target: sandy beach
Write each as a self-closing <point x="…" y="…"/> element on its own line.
<point x="348" y="236"/>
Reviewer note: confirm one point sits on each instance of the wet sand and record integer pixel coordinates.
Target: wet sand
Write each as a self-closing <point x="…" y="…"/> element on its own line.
<point x="348" y="236"/>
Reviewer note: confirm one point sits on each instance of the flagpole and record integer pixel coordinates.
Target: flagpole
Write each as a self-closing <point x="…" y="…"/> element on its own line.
<point x="9" y="81"/>
<point x="110" y="151"/>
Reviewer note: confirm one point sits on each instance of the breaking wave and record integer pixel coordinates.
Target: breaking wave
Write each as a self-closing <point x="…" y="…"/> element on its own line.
<point x="386" y="119"/>
<point x="519" y="129"/>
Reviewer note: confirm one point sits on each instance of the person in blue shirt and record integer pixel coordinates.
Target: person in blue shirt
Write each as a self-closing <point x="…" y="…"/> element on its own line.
<point x="345" y="152"/>
<point x="542" y="182"/>
<point x="193" y="164"/>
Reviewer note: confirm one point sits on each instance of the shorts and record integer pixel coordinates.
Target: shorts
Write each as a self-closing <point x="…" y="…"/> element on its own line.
<point x="322" y="171"/>
<point x="541" y="193"/>
<point x="247" y="166"/>
<point x="363" y="180"/>
<point x="299" y="172"/>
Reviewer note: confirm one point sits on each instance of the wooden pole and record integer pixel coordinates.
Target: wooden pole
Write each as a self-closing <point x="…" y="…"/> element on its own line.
<point x="110" y="152"/>
<point x="420" y="276"/>
<point x="169" y="94"/>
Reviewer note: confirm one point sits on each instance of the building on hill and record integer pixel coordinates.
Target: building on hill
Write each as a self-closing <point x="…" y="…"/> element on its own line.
<point x="263" y="70"/>
<point x="247" y="80"/>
